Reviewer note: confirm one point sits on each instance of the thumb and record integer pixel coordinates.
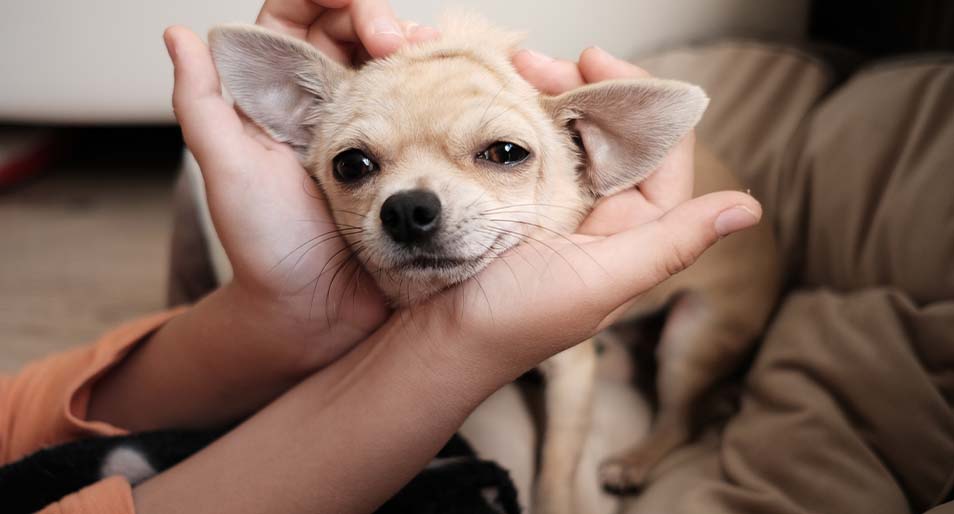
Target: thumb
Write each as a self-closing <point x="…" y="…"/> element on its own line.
<point x="210" y="126"/>
<point x="671" y="243"/>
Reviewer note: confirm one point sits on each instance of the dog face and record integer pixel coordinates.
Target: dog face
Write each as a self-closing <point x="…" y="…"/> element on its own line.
<point x="440" y="158"/>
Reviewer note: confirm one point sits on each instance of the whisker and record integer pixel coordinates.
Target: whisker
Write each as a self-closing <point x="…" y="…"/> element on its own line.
<point x="332" y="234"/>
<point x="497" y="247"/>
<point x="524" y="238"/>
<point x="554" y="250"/>
<point x="329" y="222"/>
<point x="351" y="278"/>
<point x="350" y="212"/>
<point x="574" y="209"/>
<point x="551" y="218"/>
<point x="317" y="280"/>
<point x="490" y="308"/>
<point x="327" y="263"/>
<point x="294" y="268"/>
<point x="555" y="232"/>
<point x="331" y="286"/>
<point x="520" y="240"/>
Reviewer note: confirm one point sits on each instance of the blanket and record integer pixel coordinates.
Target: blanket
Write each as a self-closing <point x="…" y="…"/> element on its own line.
<point x="847" y="406"/>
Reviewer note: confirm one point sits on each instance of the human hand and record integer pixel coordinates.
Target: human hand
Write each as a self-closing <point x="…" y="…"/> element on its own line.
<point x="295" y="281"/>
<point x="346" y="30"/>
<point x="544" y="297"/>
<point x="298" y="299"/>
<point x="668" y="186"/>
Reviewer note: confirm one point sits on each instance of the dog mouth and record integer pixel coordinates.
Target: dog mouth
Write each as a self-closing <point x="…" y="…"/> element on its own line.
<point x="445" y="263"/>
<point x="429" y="262"/>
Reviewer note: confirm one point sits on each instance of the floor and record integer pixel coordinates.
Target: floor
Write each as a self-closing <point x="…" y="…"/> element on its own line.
<point x="84" y="246"/>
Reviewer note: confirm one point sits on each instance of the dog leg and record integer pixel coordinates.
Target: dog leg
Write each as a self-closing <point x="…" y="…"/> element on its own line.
<point x="697" y="349"/>
<point x="502" y="430"/>
<point x="568" y="397"/>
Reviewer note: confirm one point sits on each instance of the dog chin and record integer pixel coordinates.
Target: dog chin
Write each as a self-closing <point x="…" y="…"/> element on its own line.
<point x="419" y="279"/>
<point x="414" y="278"/>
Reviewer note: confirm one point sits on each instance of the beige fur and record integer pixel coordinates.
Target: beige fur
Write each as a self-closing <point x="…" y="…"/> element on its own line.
<point x="423" y="114"/>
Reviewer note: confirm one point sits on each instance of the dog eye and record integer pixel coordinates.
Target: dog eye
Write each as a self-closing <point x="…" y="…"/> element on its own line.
<point x="353" y="165"/>
<point x="504" y="152"/>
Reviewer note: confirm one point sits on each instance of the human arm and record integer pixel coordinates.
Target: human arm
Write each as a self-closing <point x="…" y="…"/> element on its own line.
<point x="46" y="402"/>
<point x="349" y="436"/>
<point x="255" y="337"/>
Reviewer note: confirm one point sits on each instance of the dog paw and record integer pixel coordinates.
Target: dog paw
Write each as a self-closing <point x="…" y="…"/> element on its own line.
<point x="622" y="476"/>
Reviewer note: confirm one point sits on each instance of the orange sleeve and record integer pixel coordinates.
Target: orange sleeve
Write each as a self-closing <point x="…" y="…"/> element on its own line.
<point x="110" y="496"/>
<point x="45" y="404"/>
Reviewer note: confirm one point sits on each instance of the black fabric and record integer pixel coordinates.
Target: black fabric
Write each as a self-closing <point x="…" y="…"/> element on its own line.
<point x="455" y="482"/>
<point x="48" y="475"/>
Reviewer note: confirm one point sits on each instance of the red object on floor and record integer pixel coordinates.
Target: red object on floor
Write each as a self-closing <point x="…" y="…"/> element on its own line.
<point x="24" y="153"/>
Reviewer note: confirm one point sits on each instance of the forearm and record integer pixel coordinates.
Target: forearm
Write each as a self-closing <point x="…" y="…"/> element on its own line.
<point x="208" y="366"/>
<point x="342" y="441"/>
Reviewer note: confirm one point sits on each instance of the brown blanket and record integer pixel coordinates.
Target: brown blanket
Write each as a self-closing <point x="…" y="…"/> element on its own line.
<point x="848" y="405"/>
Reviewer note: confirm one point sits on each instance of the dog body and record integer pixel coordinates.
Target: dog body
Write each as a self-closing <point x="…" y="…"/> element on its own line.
<point x="441" y="158"/>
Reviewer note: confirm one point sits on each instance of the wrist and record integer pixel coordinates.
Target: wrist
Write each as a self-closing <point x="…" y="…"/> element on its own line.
<point x="445" y="345"/>
<point x="300" y="342"/>
<point x="365" y="424"/>
<point x="187" y="373"/>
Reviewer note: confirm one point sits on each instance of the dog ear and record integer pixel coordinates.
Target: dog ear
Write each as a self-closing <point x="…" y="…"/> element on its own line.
<point x="277" y="81"/>
<point x="627" y="127"/>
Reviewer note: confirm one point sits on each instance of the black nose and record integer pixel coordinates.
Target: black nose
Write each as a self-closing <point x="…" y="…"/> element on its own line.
<point x="411" y="217"/>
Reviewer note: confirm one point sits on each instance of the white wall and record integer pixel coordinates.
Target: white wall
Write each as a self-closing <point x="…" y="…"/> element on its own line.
<point x="625" y="27"/>
<point x="103" y="60"/>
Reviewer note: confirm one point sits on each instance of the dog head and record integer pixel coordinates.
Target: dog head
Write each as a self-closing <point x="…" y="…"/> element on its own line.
<point x="439" y="158"/>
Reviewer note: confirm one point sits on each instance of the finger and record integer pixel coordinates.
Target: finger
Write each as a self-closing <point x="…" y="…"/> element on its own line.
<point x="419" y="33"/>
<point x="673" y="242"/>
<point x="549" y="75"/>
<point x="377" y="27"/>
<point x="294" y="17"/>
<point x="618" y="213"/>
<point x="337" y="25"/>
<point x="334" y="35"/>
<point x="210" y="126"/>
<point x="413" y="32"/>
<point x="597" y="65"/>
<point x="672" y="182"/>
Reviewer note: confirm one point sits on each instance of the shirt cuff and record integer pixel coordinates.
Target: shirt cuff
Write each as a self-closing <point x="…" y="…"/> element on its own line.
<point x="107" y="354"/>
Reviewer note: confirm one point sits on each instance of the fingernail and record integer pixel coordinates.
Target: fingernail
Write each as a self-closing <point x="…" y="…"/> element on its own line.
<point x="597" y="48"/>
<point x="735" y="219"/>
<point x="537" y="56"/>
<point x="386" y="26"/>
<point x="526" y="59"/>
<point x="422" y="33"/>
<point x="599" y="53"/>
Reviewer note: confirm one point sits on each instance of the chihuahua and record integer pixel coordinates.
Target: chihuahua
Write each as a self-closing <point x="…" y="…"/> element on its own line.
<point x="441" y="158"/>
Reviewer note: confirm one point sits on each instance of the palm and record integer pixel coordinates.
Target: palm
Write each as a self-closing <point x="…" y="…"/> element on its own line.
<point x="273" y="223"/>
